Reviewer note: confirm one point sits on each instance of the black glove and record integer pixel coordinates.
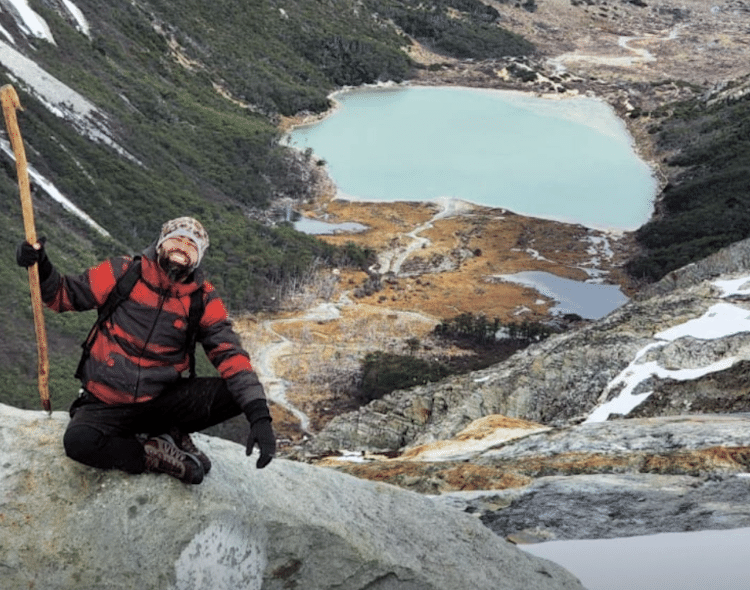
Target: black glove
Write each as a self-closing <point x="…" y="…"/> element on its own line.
<point x="27" y="255"/>
<point x="261" y="432"/>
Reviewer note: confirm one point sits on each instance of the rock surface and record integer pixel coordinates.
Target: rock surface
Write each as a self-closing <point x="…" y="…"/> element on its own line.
<point x="611" y="506"/>
<point x="563" y="379"/>
<point x="635" y="424"/>
<point x="291" y="525"/>
<point x="622" y="478"/>
<point x="612" y="479"/>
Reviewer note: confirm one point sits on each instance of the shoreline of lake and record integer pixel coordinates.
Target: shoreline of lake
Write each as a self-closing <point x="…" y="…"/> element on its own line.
<point x="609" y="124"/>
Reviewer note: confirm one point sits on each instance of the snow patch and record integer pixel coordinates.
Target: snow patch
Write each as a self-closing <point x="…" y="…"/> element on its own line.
<point x="60" y="99"/>
<point x="8" y="36"/>
<point x="29" y="21"/>
<point x="636" y="373"/>
<point x="719" y="321"/>
<point x="81" y="22"/>
<point x="739" y="286"/>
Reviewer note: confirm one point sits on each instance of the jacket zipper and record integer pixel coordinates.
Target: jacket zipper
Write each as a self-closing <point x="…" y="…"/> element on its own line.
<point x="162" y="301"/>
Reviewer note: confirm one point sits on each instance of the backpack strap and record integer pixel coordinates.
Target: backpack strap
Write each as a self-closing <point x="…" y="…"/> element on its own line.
<point x="120" y="293"/>
<point x="194" y="318"/>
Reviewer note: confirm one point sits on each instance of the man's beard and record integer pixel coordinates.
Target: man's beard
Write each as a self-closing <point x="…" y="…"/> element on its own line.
<point x="175" y="271"/>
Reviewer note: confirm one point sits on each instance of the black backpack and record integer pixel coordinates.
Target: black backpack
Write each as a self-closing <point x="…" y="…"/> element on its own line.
<point x="120" y="293"/>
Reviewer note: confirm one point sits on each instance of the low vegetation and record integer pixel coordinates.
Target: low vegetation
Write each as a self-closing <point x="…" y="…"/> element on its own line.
<point x="456" y="28"/>
<point x="706" y="206"/>
<point x="192" y="150"/>
<point x="478" y="330"/>
<point x="194" y="97"/>
<point x="484" y="342"/>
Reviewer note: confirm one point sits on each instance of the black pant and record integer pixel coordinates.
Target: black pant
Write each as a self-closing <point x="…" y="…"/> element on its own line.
<point x="104" y="436"/>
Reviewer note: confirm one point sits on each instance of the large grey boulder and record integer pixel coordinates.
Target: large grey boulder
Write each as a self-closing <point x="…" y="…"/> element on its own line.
<point x="291" y="525"/>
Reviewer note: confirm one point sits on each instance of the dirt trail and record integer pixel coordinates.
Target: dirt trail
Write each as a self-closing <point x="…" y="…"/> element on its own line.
<point x="638" y="54"/>
<point x="279" y="346"/>
<point x="435" y="261"/>
<point x="292" y="353"/>
<point x="391" y="260"/>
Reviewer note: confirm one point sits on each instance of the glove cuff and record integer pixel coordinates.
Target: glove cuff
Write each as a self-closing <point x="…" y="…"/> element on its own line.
<point x="257" y="410"/>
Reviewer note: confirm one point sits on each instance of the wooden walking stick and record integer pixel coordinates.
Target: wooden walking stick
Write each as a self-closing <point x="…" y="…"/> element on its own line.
<point x="10" y="103"/>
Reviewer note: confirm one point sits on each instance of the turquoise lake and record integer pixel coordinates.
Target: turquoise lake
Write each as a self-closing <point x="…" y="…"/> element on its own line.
<point x="568" y="159"/>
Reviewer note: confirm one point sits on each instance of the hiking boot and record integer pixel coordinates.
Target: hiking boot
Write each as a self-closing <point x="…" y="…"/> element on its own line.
<point x="163" y="456"/>
<point x="185" y="443"/>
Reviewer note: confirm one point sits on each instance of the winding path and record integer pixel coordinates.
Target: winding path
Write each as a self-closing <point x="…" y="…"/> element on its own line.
<point x="389" y="262"/>
<point x="265" y="357"/>
<point x="640" y="54"/>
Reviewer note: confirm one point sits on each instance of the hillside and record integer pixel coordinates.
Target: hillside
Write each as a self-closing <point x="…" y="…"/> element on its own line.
<point x="438" y="262"/>
<point x="582" y="427"/>
<point x="139" y="112"/>
<point x="153" y="112"/>
<point x="632" y="425"/>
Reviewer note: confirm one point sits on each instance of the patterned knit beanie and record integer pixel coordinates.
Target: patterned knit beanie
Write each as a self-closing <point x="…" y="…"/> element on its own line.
<point x="185" y="227"/>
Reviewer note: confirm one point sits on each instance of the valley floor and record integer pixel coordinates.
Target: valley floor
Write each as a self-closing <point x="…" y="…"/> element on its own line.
<point x="435" y="261"/>
<point x="438" y="260"/>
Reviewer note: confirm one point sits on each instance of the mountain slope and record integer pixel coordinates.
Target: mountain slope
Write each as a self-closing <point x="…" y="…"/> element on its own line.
<point x="133" y="132"/>
<point x="680" y="348"/>
<point x="633" y="425"/>
<point x="136" y="112"/>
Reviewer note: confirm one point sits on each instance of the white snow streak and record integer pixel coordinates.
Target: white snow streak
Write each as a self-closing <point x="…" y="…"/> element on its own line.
<point x="28" y="20"/>
<point x="8" y="36"/>
<point x="81" y="22"/>
<point x="719" y="321"/>
<point x="33" y="24"/>
<point x="52" y="191"/>
<point x="60" y="99"/>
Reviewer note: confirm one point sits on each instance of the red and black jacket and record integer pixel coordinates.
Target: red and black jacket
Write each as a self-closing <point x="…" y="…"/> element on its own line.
<point x="141" y="348"/>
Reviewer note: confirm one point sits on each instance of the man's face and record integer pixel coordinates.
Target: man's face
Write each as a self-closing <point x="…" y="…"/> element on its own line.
<point x="178" y="255"/>
<point x="180" y="250"/>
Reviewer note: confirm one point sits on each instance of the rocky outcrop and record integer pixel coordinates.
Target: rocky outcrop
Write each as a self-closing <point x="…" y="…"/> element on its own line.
<point x="604" y="506"/>
<point x="291" y="525"/>
<point x="626" y="477"/>
<point x="636" y="424"/>
<point x="732" y="259"/>
<point x="654" y="345"/>
<point x="610" y="479"/>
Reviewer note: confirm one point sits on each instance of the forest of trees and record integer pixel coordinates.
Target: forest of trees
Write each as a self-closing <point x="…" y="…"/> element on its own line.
<point x="707" y="205"/>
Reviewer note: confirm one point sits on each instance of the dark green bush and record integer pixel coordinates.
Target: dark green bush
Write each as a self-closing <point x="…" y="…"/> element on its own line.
<point x="476" y="34"/>
<point x="478" y="330"/>
<point x="384" y="372"/>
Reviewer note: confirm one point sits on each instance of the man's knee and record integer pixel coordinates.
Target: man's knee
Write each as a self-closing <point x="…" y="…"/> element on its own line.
<point x="91" y="447"/>
<point x="82" y="443"/>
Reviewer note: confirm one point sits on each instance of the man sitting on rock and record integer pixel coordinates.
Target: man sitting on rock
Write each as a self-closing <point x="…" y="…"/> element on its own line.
<point x="136" y="410"/>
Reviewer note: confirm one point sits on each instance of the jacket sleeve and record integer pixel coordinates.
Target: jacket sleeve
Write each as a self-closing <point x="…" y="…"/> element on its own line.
<point x="225" y="351"/>
<point x="86" y="291"/>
